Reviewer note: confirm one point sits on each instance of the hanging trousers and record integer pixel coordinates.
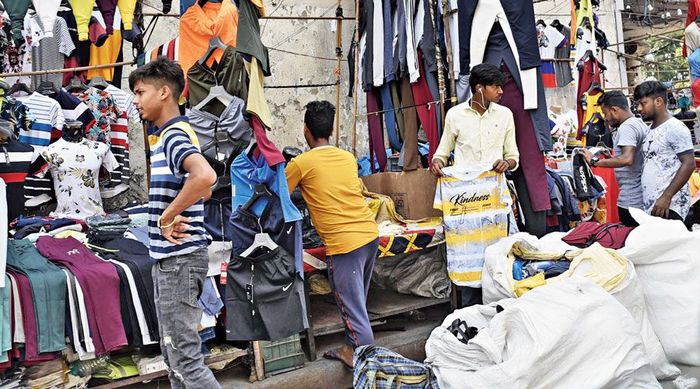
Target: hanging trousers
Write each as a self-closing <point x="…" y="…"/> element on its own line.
<point x="376" y="133"/>
<point x="390" y="117"/>
<point x="410" y="145"/>
<point x="422" y="96"/>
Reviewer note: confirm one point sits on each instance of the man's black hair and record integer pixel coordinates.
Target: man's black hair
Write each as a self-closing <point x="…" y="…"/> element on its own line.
<point x="485" y="74"/>
<point x="614" y="98"/>
<point x="651" y="89"/>
<point x="161" y="70"/>
<point x="319" y="118"/>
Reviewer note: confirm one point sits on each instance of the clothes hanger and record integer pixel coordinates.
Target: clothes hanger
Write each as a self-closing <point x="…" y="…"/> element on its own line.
<point x="260" y="191"/>
<point x="19" y="87"/>
<point x="595" y="86"/>
<point x="214" y="43"/>
<point x="98" y="82"/>
<point x="76" y="83"/>
<point x="47" y="88"/>
<point x="261" y="240"/>
<point x="217" y="92"/>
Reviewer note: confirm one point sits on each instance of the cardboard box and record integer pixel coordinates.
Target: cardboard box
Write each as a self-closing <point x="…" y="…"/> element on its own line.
<point x="413" y="192"/>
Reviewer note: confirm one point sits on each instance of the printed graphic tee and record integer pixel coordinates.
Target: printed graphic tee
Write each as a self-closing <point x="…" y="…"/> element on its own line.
<point x="662" y="147"/>
<point x="476" y="204"/>
<point x="75" y="170"/>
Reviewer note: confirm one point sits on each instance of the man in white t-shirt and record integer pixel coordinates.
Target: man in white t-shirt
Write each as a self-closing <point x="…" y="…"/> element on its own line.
<point x="668" y="155"/>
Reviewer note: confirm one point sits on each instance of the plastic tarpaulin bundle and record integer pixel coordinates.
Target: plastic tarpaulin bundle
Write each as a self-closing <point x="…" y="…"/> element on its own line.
<point x="570" y="334"/>
<point x="605" y="267"/>
<point x="667" y="259"/>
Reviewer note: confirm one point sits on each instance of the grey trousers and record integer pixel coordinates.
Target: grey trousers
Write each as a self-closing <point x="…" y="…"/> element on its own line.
<point x="178" y="282"/>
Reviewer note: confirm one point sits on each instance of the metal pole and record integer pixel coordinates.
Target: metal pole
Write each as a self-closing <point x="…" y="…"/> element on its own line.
<point x="339" y="55"/>
<point x="355" y="86"/>
<point x="67" y="70"/>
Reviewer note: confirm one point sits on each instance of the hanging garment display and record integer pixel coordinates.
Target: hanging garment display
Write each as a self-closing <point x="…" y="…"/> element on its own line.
<point x="248" y="35"/>
<point x="515" y="19"/>
<point x="230" y="72"/>
<point x="107" y="52"/>
<point x="101" y="286"/>
<point x="199" y="24"/>
<point x="45" y="278"/>
<point x="105" y="111"/>
<point x="264" y="285"/>
<point x="475" y="203"/>
<point x="210" y="128"/>
<point x="75" y="168"/>
<point x="51" y="50"/>
<point x="15" y="160"/>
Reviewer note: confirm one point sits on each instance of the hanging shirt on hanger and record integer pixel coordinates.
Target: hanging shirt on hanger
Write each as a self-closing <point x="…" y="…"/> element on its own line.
<point x="201" y="23"/>
<point x="124" y="101"/>
<point x="107" y="53"/>
<point x="474" y="36"/>
<point x="47" y="10"/>
<point x="15" y="161"/>
<point x="17" y="9"/>
<point x="51" y="51"/>
<point x="75" y="168"/>
<point x="105" y="111"/>
<point x="48" y="116"/>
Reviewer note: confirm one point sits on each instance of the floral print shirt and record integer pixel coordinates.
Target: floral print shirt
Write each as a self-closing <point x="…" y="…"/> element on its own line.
<point x="105" y="111"/>
<point x="75" y="168"/>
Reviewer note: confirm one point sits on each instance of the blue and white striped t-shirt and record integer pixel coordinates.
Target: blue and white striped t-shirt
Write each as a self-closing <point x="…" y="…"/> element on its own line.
<point x="169" y="148"/>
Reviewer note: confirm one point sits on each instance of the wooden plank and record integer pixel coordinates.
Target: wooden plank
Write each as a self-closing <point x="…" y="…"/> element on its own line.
<point x="380" y="304"/>
<point x="233" y="355"/>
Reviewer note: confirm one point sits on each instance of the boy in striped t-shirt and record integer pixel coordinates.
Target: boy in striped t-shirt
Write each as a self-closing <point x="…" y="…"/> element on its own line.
<point x="180" y="179"/>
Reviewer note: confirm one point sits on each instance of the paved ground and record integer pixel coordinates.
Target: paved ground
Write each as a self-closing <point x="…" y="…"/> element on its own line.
<point x="325" y="374"/>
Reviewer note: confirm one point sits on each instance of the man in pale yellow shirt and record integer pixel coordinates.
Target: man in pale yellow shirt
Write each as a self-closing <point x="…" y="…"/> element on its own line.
<point x="479" y="131"/>
<point x="327" y="177"/>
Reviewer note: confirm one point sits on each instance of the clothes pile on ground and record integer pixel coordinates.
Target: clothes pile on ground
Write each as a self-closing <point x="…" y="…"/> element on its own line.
<point x="619" y="302"/>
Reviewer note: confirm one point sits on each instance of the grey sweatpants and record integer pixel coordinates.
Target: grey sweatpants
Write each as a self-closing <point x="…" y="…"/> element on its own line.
<point x="178" y="282"/>
<point x="350" y="275"/>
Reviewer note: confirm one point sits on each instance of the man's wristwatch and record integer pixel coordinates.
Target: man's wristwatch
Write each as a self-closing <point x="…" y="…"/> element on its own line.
<point x="594" y="161"/>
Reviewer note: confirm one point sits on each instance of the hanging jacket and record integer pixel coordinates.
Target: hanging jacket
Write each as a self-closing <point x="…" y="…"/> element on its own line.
<point x="47" y="11"/>
<point x="108" y="8"/>
<point x="17" y="9"/>
<point x="126" y="9"/>
<point x="520" y="14"/>
<point x="82" y="9"/>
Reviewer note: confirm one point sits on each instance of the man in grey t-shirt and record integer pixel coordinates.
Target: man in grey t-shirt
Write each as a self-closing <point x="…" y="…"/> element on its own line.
<point x="628" y="160"/>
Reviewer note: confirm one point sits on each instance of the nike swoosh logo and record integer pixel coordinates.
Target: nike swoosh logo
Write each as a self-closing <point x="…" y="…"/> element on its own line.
<point x="285" y="288"/>
<point x="289" y="230"/>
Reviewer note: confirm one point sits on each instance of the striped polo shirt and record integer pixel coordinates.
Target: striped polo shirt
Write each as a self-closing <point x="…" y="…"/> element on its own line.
<point x="170" y="145"/>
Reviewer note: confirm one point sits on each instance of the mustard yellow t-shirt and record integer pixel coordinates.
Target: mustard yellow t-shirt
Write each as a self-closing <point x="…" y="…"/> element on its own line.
<point x="332" y="190"/>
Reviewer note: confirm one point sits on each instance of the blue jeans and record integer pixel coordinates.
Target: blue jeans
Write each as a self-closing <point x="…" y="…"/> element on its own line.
<point x="178" y="283"/>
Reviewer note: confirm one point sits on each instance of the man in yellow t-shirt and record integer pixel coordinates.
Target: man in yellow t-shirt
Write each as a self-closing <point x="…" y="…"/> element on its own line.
<point x="327" y="177"/>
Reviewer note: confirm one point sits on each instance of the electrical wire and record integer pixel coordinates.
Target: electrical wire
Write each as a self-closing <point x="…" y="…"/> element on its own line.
<point x="302" y="29"/>
<point x="302" y="54"/>
<point x="294" y="86"/>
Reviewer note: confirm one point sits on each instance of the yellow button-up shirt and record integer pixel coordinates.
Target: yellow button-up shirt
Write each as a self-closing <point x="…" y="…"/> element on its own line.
<point x="478" y="139"/>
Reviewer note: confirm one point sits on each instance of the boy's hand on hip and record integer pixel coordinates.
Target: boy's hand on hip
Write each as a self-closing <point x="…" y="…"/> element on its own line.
<point x="176" y="230"/>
